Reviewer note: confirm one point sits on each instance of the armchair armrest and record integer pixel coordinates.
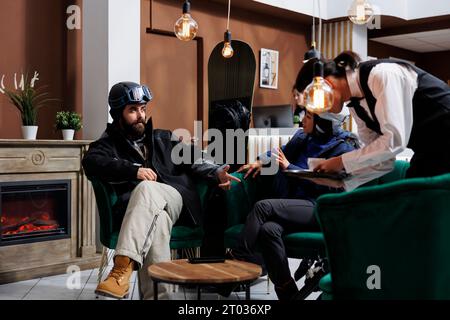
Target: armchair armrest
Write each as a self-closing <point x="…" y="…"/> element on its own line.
<point x="243" y="195"/>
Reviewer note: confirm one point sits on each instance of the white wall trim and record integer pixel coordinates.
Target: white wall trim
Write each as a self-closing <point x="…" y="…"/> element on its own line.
<point x="111" y="53"/>
<point x="332" y="9"/>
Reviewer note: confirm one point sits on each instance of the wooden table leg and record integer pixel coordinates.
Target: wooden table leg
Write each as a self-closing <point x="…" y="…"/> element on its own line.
<point x="247" y="291"/>
<point x="155" y="290"/>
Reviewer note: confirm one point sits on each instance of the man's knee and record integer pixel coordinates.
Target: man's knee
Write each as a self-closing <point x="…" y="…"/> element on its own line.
<point x="146" y="186"/>
<point x="263" y="207"/>
<point x="270" y="231"/>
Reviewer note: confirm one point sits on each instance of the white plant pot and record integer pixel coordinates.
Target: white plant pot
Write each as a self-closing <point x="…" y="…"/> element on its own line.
<point x="68" y="134"/>
<point x="29" y="132"/>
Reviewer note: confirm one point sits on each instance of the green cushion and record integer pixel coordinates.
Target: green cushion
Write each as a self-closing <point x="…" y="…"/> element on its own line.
<point x="240" y="200"/>
<point x="185" y="237"/>
<point x="232" y="235"/>
<point x="325" y="285"/>
<point x="298" y="245"/>
<point x="399" y="172"/>
<point x="401" y="227"/>
<point x="111" y="240"/>
<point x="304" y="244"/>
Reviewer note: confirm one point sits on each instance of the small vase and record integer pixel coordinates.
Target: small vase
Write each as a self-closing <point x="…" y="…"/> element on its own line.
<point x="29" y="132"/>
<point x="68" y="134"/>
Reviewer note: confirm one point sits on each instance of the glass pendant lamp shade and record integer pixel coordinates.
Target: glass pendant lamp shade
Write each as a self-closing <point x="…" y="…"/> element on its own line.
<point x="361" y="12"/>
<point x="319" y="94"/>
<point x="227" y="51"/>
<point x="186" y="28"/>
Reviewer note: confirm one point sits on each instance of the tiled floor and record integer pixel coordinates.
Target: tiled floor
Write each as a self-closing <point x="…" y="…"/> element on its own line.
<point x="55" y="288"/>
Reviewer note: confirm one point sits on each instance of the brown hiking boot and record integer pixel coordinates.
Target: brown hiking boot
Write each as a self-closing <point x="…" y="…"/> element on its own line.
<point x="117" y="284"/>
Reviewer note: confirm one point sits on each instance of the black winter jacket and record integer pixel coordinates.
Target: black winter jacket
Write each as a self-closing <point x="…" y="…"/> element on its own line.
<point x="113" y="159"/>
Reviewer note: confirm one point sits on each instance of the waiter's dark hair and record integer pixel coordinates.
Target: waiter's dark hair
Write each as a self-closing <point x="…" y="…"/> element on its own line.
<point x="336" y="68"/>
<point x="322" y="128"/>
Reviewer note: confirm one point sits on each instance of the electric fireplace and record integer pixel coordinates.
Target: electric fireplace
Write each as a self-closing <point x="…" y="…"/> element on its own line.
<point x="34" y="211"/>
<point x="47" y="209"/>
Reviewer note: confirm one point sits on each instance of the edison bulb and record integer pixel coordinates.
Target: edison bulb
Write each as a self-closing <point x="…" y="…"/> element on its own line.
<point x="227" y="51"/>
<point x="361" y="12"/>
<point x="186" y="28"/>
<point x="319" y="94"/>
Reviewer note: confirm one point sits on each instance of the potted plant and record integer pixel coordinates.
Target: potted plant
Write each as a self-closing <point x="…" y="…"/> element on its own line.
<point x="297" y="121"/>
<point x="28" y="101"/>
<point x="68" y="122"/>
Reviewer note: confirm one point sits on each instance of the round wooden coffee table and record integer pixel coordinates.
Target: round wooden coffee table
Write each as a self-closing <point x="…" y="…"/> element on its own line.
<point x="204" y="274"/>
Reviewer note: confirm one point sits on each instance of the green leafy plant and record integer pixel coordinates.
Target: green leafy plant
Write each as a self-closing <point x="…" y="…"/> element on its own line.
<point x="68" y="120"/>
<point x="28" y="100"/>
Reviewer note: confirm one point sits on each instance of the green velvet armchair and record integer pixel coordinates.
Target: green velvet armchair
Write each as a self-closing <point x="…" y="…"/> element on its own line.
<point x="388" y="241"/>
<point x="188" y="240"/>
<point x="240" y="201"/>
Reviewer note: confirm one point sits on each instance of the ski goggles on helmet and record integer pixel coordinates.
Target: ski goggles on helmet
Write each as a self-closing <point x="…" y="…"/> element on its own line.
<point x="141" y="94"/>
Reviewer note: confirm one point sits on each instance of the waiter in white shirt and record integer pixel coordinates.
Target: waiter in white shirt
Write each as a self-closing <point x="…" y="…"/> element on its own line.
<point x="395" y="105"/>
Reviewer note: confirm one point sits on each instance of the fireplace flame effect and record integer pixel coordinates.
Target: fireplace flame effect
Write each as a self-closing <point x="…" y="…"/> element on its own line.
<point x="37" y="222"/>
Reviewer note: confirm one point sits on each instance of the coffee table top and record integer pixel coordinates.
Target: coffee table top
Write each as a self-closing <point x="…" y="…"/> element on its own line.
<point x="181" y="271"/>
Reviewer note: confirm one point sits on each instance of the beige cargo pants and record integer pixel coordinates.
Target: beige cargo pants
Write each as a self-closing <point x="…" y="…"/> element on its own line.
<point x="146" y="228"/>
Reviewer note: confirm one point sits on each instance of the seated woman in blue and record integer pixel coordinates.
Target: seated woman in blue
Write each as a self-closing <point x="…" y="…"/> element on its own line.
<point x="292" y="206"/>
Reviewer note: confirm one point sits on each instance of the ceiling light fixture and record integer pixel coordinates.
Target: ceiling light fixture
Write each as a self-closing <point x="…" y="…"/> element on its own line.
<point x="319" y="94"/>
<point x="360" y="12"/>
<point x="186" y="28"/>
<point x="227" y="51"/>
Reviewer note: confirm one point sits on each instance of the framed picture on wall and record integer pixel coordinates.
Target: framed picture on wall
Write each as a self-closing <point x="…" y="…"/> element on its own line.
<point x="268" y="70"/>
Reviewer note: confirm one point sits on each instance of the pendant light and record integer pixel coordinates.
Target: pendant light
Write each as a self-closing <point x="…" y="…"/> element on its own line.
<point x="319" y="94"/>
<point x="227" y="51"/>
<point x="313" y="53"/>
<point x="360" y="12"/>
<point x="186" y="28"/>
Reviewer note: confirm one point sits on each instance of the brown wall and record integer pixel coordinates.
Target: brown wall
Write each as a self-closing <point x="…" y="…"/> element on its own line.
<point x="74" y="67"/>
<point x="436" y="63"/>
<point x="33" y="37"/>
<point x="176" y="65"/>
<point x="382" y="51"/>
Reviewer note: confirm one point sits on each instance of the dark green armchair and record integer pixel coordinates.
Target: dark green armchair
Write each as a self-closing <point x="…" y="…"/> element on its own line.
<point x="388" y="241"/>
<point x="240" y="201"/>
<point x="188" y="240"/>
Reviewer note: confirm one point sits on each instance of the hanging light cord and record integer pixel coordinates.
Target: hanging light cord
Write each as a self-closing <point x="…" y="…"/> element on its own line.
<point x="314" y="25"/>
<point x="320" y="29"/>
<point x="228" y="19"/>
